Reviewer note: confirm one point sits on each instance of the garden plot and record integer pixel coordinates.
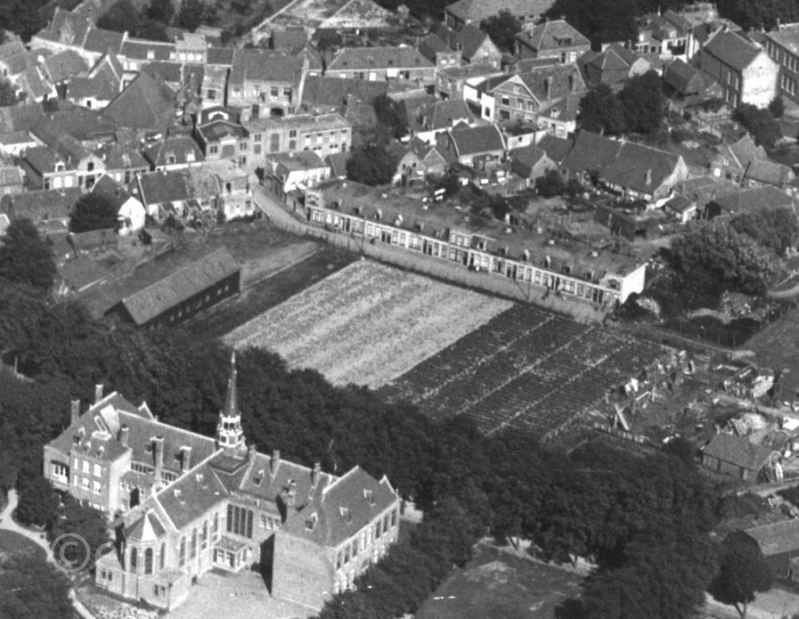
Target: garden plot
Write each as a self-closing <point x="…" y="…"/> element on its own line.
<point x="368" y="323"/>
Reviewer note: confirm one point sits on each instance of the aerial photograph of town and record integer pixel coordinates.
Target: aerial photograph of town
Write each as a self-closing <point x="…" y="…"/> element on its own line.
<point x="384" y="309"/>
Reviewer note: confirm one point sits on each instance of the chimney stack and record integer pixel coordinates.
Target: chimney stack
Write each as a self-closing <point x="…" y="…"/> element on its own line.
<point x="274" y="462"/>
<point x="98" y="392"/>
<point x="124" y="435"/>
<point x="317" y="469"/>
<point x="185" y="458"/>
<point x="158" y="453"/>
<point x="251" y="451"/>
<point x="74" y="411"/>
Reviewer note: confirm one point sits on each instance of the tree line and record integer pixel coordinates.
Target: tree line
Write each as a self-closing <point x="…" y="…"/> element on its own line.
<point x="644" y="518"/>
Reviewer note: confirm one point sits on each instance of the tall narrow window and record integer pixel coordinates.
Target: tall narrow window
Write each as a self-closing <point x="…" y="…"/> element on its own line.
<point x="182" y="555"/>
<point x="162" y="557"/>
<point x="193" y="551"/>
<point x="134" y="559"/>
<point x="148" y="561"/>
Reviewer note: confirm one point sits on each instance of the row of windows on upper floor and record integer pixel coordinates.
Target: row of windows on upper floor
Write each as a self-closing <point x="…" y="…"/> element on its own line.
<point x="368" y="535"/>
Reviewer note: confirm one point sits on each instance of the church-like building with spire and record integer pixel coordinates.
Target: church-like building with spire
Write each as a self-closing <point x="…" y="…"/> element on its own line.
<point x="186" y="503"/>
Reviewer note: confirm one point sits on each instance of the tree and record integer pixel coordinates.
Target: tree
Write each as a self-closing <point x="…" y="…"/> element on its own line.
<point x="120" y="17"/>
<point x="93" y="211"/>
<point x="8" y="95"/>
<point x="550" y="184"/>
<point x="25" y="257"/>
<point x="743" y="572"/>
<point x="601" y="111"/>
<point x="191" y="14"/>
<point x="38" y="501"/>
<point x="81" y="520"/>
<point x="643" y="102"/>
<point x="713" y="257"/>
<point x="777" y="107"/>
<point x="372" y="164"/>
<point x="161" y="11"/>
<point x="774" y="228"/>
<point x="760" y="123"/>
<point x="391" y="115"/>
<point x="30" y="587"/>
<point x="502" y="28"/>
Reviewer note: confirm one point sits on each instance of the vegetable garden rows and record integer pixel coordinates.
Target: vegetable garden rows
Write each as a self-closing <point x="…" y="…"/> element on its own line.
<point x="524" y="369"/>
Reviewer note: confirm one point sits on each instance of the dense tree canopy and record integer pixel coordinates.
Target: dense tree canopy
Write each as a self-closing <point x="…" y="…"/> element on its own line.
<point x="775" y="228"/>
<point x="743" y="572"/>
<point x="372" y="164"/>
<point x="601" y="111"/>
<point x="502" y="29"/>
<point x="29" y="587"/>
<point x="391" y="115"/>
<point x="123" y="16"/>
<point x="643" y="102"/>
<point x="25" y="257"/>
<point x="760" y="123"/>
<point x="93" y="211"/>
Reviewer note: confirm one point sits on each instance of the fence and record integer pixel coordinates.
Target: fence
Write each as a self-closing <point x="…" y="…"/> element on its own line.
<point x="440" y="269"/>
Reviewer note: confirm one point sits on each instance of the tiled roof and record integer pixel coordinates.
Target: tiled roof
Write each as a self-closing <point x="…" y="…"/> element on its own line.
<point x="177" y="146"/>
<point x="145" y="529"/>
<point x="42" y="159"/>
<point x="334" y="91"/>
<point x="478" y="10"/>
<point x="34" y="83"/>
<point x="684" y="78"/>
<point x="63" y="65"/>
<point x="161" y="187"/>
<point x="22" y="117"/>
<point x="432" y="44"/>
<point x="265" y="66"/>
<point x="786" y="35"/>
<point x="468" y="39"/>
<point x="217" y="129"/>
<point x="342" y="508"/>
<point x="121" y="157"/>
<point x="476" y="140"/>
<point x="303" y="160"/>
<point x="776" y="538"/>
<point x="752" y="199"/>
<point x="556" y="148"/>
<point x="147" y="103"/>
<point x="769" y="172"/>
<point x="528" y="156"/>
<point x="192" y="495"/>
<point x="10" y="176"/>
<point x="40" y="206"/>
<point x="141" y="49"/>
<point x="111" y="189"/>
<point x="732" y="49"/>
<point x="591" y="152"/>
<point x="167" y="71"/>
<point x="221" y="55"/>
<point x="358" y="58"/>
<point x="291" y="40"/>
<point x="67" y="28"/>
<point x="737" y="450"/>
<point x="180" y="285"/>
<point x="553" y="82"/>
<point x="436" y="114"/>
<point x="102" y="41"/>
<point x="554" y="34"/>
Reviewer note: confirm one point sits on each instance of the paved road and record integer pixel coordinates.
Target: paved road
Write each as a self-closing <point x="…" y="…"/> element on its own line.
<point x="8" y="523"/>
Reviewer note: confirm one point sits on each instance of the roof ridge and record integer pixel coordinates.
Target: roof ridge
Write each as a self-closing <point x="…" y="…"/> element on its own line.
<point x="163" y="423"/>
<point x="342" y="478"/>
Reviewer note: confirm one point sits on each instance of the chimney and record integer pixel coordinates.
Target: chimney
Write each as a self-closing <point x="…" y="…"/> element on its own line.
<point x="317" y="469"/>
<point x="185" y="458"/>
<point x="274" y="462"/>
<point x="124" y="435"/>
<point x="158" y="454"/>
<point x="74" y="411"/>
<point x="649" y="176"/>
<point x="251" y="453"/>
<point x="98" y="392"/>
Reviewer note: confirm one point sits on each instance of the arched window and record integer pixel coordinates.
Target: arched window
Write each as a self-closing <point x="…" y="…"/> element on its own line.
<point x="182" y="557"/>
<point x="134" y="559"/>
<point x="148" y="561"/>
<point x="162" y="557"/>
<point x="216" y="522"/>
<point x="193" y="550"/>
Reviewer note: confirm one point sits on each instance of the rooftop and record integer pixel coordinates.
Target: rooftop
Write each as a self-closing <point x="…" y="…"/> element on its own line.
<point x="552" y="34"/>
<point x="358" y="58"/>
<point x="737" y="450"/>
<point x="733" y="49"/>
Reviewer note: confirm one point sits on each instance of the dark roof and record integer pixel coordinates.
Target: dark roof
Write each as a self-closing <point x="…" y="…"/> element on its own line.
<point x="192" y="495"/>
<point x="265" y="66"/>
<point x="66" y="27"/>
<point x="141" y="49"/>
<point x="686" y="79"/>
<point x="342" y="508"/>
<point x="776" y="538"/>
<point x="146" y="103"/>
<point x="291" y="40"/>
<point x="357" y="58"/>
<point x="22" y="117"/>
<point x="753" y="199"/>
<point x="640" y="167"/>
<point x="63" y="65"/>
<point x="167" y="71"/>
<point x="732" y="49"/>
<point x="737" y="450"/>
<point x="102" y="41"/>
<point x="40" y="206"/>
<point x="147" y="528"/>
<point x="552" y="34"/>
<point x="432" y="44"/>
<point x="338" y="164"/>
<point x="218" y="129"/>
<point x="528" y="156"/>
<point x="769" y="172"/>
<point x="79" y="122"/>
<point x="221" y="55"/>
<point x="121" y="157"/>
<point x="475" y="140"/>
<point x="111" y="189"/>
<point x="160" y="187"/>
<point x="180" y="285"/>
<point x="591" y="151"/>
<point x="334" y="91"/>
<point x="552" y="82"/>
<point x="178" y="146"/>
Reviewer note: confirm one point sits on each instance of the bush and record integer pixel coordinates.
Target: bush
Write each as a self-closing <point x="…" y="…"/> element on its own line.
<point x="551" y="184"/>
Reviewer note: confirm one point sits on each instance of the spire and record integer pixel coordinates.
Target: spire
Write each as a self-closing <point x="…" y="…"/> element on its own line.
<point x="231" y="398"/>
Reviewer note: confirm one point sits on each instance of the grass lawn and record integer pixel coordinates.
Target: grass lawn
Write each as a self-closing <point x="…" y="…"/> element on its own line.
<point x="13" y="543"/>
<point x="269" y="291"/>
<point x="497" y="585"/>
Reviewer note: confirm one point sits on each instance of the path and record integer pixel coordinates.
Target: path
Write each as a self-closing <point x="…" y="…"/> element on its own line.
<point x="8" y="523"/>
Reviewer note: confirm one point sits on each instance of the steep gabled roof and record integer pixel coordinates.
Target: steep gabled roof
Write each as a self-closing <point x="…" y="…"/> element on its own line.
<point x="182" y="147"/>
<point x="737" y="450"/>
<point x="147" y="103"/>
<point x="552" y="34"/>
<point x="265" y="66"/>
<point x="732" y="49"/>
<point x="591" y="152"/>
<point x="103" y="41"/>
<point x="161" y="187"/>
<point x="476" y="140"/>
<point x="640" y="168"/>
<point x="63" y="65"/>
<point x="41" y="206"/>
<point x="776" y="538"/>
<point x="192" y="495"/>
<point x="334" y="91"/>
<point x="364" y="58"/>
<point x="342" y="508"/>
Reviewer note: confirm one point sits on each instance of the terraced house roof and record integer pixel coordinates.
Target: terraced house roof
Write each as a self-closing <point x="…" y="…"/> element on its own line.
<point x="265" y="66"/>
<point x="64" y="65"/>
<point x="146" y="103"/>
<point x="359" y="58"/>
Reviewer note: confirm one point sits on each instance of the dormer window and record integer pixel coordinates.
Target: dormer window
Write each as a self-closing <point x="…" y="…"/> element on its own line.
<point x="258" y="477"/>
<point x="310" y="521"/>
<point x="171" y="159"/>
<point x="369" y="495"/>
<point x="345" y="514"/>
<point x="59" y="167"/>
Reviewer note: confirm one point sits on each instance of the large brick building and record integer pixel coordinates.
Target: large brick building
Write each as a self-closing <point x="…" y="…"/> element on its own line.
<point x="189" y="503"/>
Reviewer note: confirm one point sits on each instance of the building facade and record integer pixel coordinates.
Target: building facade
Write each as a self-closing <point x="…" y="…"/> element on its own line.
<point x="782" y="45"/>
<point x="191" y="503"/>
